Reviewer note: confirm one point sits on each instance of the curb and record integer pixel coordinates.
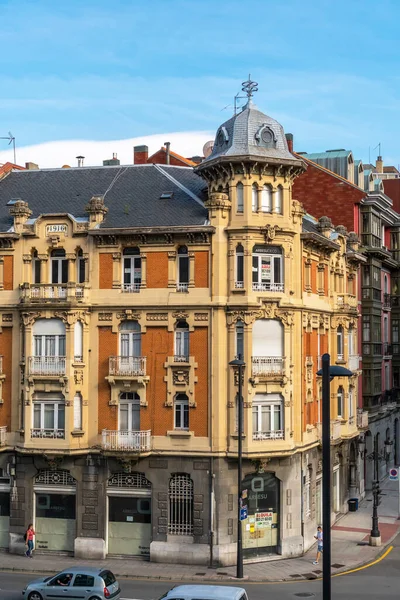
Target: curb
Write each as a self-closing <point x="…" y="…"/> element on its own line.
<point x="221" y="578"/>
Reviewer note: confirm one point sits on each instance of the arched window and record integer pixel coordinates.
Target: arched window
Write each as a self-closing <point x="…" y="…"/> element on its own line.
<point x="266" y="199"/>
<point x="181" y="342"/>
<point x="385" y="284"/>
<point x="254" y="197"/>
<point x="267" y="349"/>
<point x="48" y="348"/>
<point x="59" y="266"/>
<point x="132" y="270"/>
<point x="180" y="493"/>
<point x="78" y="412"/>
<point x="239" y="275"/>
<point x="340" y="343"/>
<point x="183" y="269"/>
<point x="239" y="331"/>
<point x="351" y="404"/>
<point x="181" y="412"/>
<point x="340" y="402"/>
<point x="130" y="339"/>
<point x="78" y="342"/>
<point x="239" y="197"/>
<point x="278" y="200"/>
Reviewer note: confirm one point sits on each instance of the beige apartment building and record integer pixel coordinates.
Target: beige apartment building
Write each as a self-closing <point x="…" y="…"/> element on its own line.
<point x="125" y="291"/>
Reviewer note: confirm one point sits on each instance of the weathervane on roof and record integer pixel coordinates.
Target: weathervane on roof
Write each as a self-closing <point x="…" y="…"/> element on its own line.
<point x="249" y="87"/>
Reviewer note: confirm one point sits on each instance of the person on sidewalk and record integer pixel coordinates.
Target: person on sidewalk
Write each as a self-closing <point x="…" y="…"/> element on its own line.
<point x="320" y="545"/>
<point x="29" y="535"/>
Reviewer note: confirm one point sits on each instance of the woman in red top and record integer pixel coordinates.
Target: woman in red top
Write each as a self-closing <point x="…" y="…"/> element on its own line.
<point x="30" y="532"/>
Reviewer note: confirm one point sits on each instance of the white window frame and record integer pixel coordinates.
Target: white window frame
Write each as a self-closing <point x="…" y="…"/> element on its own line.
<point x="340" y="342"/>
<point x="78" y="412"/>
<point x="264" y="283"/>
<point x="340" y="402"/>
<point x="266" y="199"/>
<point x="351" y="402"/>
<point x="270" y="402"/>
<point x="42" y="404"/>
<point x="181" y="341"/>
<point x="183" y="282"/>
<point x="132" y="271"/>
<point x="130" y="340"/>
<point x="131" y="401"/>
<point x="254" y="198"/>
<point x="278" y="200"/>
<point x="239" y="338"/>
<point x="239" y="255"/>
<point x="179" y="416"/>
<point x="62" y="263"/>
<point x="239" y="197"/>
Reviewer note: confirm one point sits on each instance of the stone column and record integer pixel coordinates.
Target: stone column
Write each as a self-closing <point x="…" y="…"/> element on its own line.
<point x="1" y="273"/>
<point x="27" y="273"/>
<point x="191" y="269"/>
<point x="143" y="257"/>
<point x="172" y="269"/>
<point x="90" y="540"/>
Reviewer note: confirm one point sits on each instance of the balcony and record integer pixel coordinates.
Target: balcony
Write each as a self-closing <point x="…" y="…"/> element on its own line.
<point x="48" y="292"/>
<point x="239" y="285"/>
<point x="133" y="441"/>
<point x="127" y="366"/>
<point x="268" y="287"/>
<point x="259" y="436"/>
<point x="54" y="366"/>
<point x="3" y="435"/>
<point x="264" y="366"/>
<point x="362" y="419"/>
<point x="54" y="434"/>
<point x="181" y="358"/>
<point x="387" y="301"/>
<point x="354" y="362"/>
<point x="182" y="287"/>
<point x="335" y="430"/>
<point x="130" y="288"/>
<point x="347" y="303"/>
<point x="387" y="350"/>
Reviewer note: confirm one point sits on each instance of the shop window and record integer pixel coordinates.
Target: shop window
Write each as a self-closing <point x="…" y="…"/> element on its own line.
<point x="181" y="412"/>
<point x="183" y="269"/>
<point x="239" y="267"/>
<point x="55" y="506"/>
<point x="266" y="199"/>
<point x="180" y="492"/>
<point x="340" y="402"/>
<point x="239" y="334"/>
<point x="267" y="417"/>
<point x="181" y="342"/>
<point x="132" y="270"/>
<point x="239" y="197"/>
<point x="59" y="266"/>
<point x="254" y="197"/>
<point x="267" y="269"/>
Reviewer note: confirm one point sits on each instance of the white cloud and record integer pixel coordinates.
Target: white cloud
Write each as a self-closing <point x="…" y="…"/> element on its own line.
<point x="57" y="154"/>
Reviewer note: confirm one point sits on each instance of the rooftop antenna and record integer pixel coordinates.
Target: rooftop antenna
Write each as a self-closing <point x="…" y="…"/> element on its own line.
<point x="11" y="140"/>
<point x="248" y="88"/>
<point x="378" y="146"/>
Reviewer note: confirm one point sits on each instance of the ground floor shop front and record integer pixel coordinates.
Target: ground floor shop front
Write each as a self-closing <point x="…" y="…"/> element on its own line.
<point x="169" y="509"/>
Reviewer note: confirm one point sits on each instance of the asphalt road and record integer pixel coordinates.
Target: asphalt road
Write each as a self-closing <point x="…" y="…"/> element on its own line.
<point x="379" y="582"/>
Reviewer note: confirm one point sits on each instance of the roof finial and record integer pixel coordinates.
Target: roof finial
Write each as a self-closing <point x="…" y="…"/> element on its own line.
<point x="249" y="87"/>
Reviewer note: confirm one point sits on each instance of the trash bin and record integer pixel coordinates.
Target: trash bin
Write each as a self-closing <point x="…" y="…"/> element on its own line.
<point x="353" y="504"/>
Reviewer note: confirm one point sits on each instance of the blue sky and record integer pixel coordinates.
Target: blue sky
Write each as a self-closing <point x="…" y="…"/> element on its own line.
<point x="106" y="70"/>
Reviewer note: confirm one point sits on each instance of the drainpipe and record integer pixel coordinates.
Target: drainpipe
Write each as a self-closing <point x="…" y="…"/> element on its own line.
<point x="167" y="152"/>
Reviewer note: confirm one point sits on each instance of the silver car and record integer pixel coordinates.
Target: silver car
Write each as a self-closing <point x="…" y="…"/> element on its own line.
<point x="85" y="583"/>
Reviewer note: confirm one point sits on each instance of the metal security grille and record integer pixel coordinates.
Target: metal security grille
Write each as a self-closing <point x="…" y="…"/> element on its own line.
<point x="129" y="480"/>
<point x="180" y="505"/>
<point x="60" y="477"/>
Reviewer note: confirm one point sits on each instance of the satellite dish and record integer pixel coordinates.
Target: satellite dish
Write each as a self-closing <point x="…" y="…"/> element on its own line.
<point x="208" y="148"/>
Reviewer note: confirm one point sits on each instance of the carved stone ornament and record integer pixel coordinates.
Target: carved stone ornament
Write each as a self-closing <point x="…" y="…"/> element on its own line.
<point x="180" y="314"/>
<point x="201" y="316"/>
<point x="96" y="205"/>
<point x="180" y="377"/>
<point x="218" y="200"/>
<point x="129" y="315"/>
<point x="247" y="317"/>
<point x="286" y="316"/>
<point x="157" y="316"/>
<point x="78" y="377"/>
<point x="20" y="209"/>
<point x="28" y="318"/>
<point x="269" y="232"/>
<point x="103" y="316"/>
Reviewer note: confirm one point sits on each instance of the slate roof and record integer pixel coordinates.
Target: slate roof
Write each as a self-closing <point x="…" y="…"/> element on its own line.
<point x="132" y="194"/>
<point x="328" y="154"/>
<point x="237" y="137"/>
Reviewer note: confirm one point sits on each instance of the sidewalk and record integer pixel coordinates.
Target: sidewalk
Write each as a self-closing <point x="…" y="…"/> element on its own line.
<point x="349" y="550"/>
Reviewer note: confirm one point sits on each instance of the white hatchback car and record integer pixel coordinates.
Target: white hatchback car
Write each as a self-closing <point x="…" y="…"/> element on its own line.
<point x="205" y="592"/>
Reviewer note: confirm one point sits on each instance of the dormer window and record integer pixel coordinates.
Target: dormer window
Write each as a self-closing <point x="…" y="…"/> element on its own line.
<point x="265" y="137"/>
<point x="222" y="136"/>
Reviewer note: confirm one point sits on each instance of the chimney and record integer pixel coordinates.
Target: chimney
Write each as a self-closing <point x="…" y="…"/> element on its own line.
<point x="140" y="155"/>
<point x="110" y="162"/>
<point x="31" y="166"/>
<point x="167" y="152"/>
<point x="289" y="139"/>
<point x="379" y="164"/>
<point x="80" y="160"/>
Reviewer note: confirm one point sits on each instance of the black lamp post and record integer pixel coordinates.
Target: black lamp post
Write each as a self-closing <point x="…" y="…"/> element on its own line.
<point x="375" y="537"/>
<point x="238" y="365"/>
<point x="328" y="372"/>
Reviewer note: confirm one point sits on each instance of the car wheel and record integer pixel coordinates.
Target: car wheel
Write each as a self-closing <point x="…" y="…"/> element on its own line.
<point x="35" y="596"/>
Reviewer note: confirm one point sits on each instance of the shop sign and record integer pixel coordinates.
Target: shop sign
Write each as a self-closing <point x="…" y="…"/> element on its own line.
<point x="264" y="520"/>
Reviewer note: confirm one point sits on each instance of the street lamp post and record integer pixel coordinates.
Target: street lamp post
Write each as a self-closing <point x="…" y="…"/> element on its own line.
<point x="239" y="365"/>
<point x="375" y="537"/>
<point x="328" y="372"/>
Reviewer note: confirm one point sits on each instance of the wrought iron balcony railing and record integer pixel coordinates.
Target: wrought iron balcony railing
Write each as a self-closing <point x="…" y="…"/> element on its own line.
<point x="268" y="435"/>
<point x="267" y="365"/>
<point x="268" y="287"/>
<point x="48" y="433"/>
<point x="136" y="441"/>
<point x="47" y="365"/>
<point x="127" y="366"/>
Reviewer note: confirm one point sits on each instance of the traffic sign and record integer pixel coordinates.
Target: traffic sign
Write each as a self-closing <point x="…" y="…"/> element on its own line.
<point x="243" y="513"/>
<point x="394" y="474"/>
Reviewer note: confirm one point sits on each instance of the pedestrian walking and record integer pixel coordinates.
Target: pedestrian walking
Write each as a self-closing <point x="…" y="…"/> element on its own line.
<point x="320" y="544"/>
<point x="29" y="535"/>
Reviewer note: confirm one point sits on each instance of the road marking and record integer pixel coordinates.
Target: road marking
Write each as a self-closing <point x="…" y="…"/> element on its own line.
<point x="375" y="562"/>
